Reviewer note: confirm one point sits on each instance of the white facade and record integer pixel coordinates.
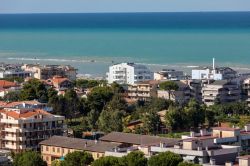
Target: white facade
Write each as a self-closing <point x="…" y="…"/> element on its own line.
<point x="128" y="73"/>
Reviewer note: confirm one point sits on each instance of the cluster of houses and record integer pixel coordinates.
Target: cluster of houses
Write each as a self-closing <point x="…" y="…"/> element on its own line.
<point x="208" y="85"/>
<point x="221" y="146"/>
<point x="29" y="125"/>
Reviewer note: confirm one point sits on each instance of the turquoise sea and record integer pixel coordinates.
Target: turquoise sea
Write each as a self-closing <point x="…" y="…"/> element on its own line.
<point x="91" y="42"/>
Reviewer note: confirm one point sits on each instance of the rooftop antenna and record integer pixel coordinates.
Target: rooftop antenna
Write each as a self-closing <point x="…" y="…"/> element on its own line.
<point x="213" y="63"/>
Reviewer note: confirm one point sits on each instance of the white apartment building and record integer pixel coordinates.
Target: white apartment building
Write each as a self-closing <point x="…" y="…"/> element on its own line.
<point x="220" y="91"/>
<point x="24" y="129"/>
<point x="13" y="70"/>
<point x="128" y="73"/>
<point x="168" y="74"/>
<point x="214" y="73"/>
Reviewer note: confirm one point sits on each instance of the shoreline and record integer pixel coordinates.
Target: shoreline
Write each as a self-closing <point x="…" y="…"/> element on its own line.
<point x="94" y="68"/>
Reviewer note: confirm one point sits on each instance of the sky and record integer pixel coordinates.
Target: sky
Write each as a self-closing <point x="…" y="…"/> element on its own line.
<point x="102" y="6"/>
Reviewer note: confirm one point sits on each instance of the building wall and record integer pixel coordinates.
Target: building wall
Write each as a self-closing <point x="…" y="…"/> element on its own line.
<point x="244" y="162"/>
<point x="224" y="134"/>
<point x="50" y="153"/>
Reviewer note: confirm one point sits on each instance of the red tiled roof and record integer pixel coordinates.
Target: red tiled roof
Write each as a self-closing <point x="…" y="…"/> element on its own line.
<point x="28" y="114"/>
<point x="13" y="104"/>
<point x="59" y="80"/>
<point x="7" y="84"/>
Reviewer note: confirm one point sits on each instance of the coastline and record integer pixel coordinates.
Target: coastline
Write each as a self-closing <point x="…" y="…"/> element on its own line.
<point x="95" y="68"/>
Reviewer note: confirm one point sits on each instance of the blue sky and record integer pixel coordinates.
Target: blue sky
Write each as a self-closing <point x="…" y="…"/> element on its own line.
<point x="93" y="6"/>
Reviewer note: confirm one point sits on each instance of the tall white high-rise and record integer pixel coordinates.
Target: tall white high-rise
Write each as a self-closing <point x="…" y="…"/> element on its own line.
<point x="128" y="73"/>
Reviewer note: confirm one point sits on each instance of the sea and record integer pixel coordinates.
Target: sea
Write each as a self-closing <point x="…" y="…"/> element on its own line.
<point x="93" y="41"/>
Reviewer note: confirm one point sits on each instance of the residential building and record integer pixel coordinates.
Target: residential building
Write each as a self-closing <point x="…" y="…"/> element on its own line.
<point x="168" y="74"/>
<point x="227" y="136"/>
<point x="143" y="90"/>
<point x="181" y="96"/>
<point x="201" y="150"/>
<point x="7" y="86"/>
<point x="34" y="104"/>
<point x="60" y="83"/>
<point x="246" y="90"/>
<point x="22" y="128"/>
<point x="12" y="71"/>
<point x="214" y="73"/>
<point x="45" y="72"/>
<point x="195" y="89"/>
<point x="128" y="73"/>
<point x="57" y="147"/>
<point x="221" y="91"/>
<point x="243" y="160"/>
<point x="131" y="142"/>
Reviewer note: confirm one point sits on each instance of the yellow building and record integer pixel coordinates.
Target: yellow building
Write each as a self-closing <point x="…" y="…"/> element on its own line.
<point x="59" y="146"/>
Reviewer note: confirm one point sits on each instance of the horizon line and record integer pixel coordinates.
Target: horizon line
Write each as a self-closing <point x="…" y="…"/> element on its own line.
<point x="209" y="11"/>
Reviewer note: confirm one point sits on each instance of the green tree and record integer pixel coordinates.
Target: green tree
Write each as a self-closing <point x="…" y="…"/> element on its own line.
<point x="92" y="118"/>
<point x="56" y="163"/>
<point x="151" y="122"/>
<point x="174" y="118"/>
<point x="165" y="159"/>
<point x="195" y="113"/>
<point x="110" y="120"/>
<point x="12" y="96"/>
<point x="78" y="158"/>
<point x="72" y="102"/>
<point x="135" y="158"/>
<point x="187" y="164"/>
<point x="98" y="97"/>
<point x="157" y="104"/>
<point x="28" y="158"/>
<point x="169" y="86"/>
<point x="34" y="89"/>
<point x="108" y="161"/>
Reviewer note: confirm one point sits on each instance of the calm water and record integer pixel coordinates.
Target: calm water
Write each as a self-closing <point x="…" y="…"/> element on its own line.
<point x="164" y="39"/>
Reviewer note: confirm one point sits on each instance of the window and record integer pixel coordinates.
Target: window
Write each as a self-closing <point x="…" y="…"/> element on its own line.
<point x="58" y="150"/>
<point x="62" y="150"/>
<point x="53" y="149"/>
<point x="47" y="158"/>
<point x="47" y="148"/>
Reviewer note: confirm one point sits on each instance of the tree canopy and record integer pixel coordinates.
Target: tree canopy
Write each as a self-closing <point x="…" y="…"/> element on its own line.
<point x="165" y="159"/>
<point x="28" y="158"/>
<point x="78" y="158"/>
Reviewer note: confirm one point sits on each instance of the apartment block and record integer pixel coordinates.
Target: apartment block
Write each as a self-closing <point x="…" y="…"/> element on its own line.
<point x="143" y="90"/>
<point x="201" y="150"/>
<point x="220" y="91"/>
<point x="128" y="73"/>
<point x="45" y="72"/>
<point x="13" y="70"/>
<point x="57" y="147"/>
<point x="168" y="74"/>
<point x="23" y="128"/>
<point x="214" y="73"/>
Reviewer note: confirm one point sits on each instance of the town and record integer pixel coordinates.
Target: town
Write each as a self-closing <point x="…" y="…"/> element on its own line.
<point x="134" y="117"/>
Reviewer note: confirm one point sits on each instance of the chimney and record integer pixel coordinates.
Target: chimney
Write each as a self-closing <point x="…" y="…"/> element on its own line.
<point x="212" y="161"/>
<point x="229" y="163"/>
<point x="192" y="133"/>
<point x="85" y="144"/>
<point x="203" y="132"/>
<point x="161" y="145"/>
